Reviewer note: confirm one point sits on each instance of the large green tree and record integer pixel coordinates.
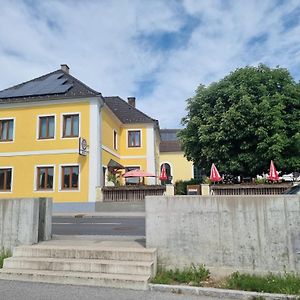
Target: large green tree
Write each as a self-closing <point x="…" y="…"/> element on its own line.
<point x="243" y="121"/>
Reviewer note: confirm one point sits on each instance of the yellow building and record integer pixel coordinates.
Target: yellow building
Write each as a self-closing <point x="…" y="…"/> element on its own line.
<point x="45" y="124"/>
<point x="172" y="156"/>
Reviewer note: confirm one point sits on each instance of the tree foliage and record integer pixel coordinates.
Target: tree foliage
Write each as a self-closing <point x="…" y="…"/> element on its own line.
<point x="243" y="121"/>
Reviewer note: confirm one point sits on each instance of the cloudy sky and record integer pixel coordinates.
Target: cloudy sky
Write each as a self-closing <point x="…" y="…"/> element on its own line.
<point x="156" y="50"/>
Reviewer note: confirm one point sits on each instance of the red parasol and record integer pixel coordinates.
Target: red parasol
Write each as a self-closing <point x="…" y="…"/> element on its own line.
<point x="214" y="174"/>
<point x="163" y="175"/>
<point x="273" y="175"/>
<point x="138" y="173"/>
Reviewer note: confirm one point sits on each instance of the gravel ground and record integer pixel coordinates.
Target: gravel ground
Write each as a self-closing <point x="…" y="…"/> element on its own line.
<point x="16" y="290"/>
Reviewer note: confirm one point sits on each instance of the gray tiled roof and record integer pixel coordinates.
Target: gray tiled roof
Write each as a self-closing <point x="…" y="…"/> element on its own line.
<point x="126" y="113"/>
<point x="169" y="141"/>
<point x="77" y="89"/>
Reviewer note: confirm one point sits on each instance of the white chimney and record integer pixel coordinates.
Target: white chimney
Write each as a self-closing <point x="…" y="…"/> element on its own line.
<point x="65" y="68"/>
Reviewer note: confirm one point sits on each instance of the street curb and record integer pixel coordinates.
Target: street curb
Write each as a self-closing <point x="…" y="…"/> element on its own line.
<point x="217" y="293"/>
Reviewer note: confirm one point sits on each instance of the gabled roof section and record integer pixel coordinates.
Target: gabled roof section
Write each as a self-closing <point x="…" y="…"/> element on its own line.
<point x="169" y="141"/>
<point x="54" y="85"/>
<point x="126" y="113"/>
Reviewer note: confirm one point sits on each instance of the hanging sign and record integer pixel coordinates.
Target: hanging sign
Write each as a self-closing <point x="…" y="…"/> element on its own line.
<point x="83" y="147"/>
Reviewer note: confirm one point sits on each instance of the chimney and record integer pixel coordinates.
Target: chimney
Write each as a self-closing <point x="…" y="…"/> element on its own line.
<point x="131" y="101"/>
<point x="65" y="68"/>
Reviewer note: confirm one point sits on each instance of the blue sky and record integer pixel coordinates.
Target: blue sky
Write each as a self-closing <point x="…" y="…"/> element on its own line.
<point x="158" y="51"/>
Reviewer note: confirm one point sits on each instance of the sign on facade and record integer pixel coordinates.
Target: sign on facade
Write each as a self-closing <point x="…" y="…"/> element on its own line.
<point x="83" y="147"/>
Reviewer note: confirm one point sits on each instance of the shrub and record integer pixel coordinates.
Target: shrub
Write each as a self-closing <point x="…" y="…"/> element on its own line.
<point x="181" y="186"/>
<point x="4" y="254"/>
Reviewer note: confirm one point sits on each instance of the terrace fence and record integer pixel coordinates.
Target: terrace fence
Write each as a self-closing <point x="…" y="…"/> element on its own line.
<point x="131" y="193"/>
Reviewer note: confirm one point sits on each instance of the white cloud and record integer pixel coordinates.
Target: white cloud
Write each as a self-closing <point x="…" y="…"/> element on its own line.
<point x="100" y="42"/>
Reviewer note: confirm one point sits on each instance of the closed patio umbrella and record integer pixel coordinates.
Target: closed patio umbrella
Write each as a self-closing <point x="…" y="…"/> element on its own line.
<point x="214" y="174"/>
<point x="273" y="174"/>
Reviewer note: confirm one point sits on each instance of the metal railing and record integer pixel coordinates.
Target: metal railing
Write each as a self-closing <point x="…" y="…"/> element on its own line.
<point x="131" y="193"/>
<point x="244" y="189"/>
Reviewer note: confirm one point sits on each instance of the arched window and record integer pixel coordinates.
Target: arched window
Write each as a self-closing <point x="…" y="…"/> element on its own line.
<point x="168" y="171"/>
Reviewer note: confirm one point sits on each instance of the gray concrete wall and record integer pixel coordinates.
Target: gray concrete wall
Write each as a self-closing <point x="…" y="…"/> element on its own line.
<point x="227" y="233"/>
<point x="22" y="221"/>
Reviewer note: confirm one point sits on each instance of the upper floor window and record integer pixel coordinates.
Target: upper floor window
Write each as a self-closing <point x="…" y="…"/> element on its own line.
<point x="6" y="130"/>
<point x="71" y="125"/>
<point x="70" y="177"/>
<point x="46" y="127"/>
<point x="5" y="179"/>
<point x="134" y="138"/>
<point x="45" y="178"/>
<point x="115" y="140"/>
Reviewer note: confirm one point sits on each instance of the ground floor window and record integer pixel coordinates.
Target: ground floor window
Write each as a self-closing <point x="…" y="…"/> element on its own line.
<point x="5" y="179"/>
<point x="70" y="177"/>
<point x="131" y="180"/>
<point x="45" y="178"/>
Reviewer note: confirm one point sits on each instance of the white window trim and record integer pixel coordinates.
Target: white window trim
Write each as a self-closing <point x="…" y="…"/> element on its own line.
<point x="35" y="188"/>
<point x="117" y="140"/>
<point x="14" y="130"/>
<point x="38" y="127"/>
<point x="12" y="179"/>
<point x="141" y="137"/>
<point x="62" y="125"/>
<point x="60" y="189"/>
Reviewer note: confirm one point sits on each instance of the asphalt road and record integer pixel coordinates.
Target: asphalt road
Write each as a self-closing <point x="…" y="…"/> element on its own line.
<point x="17" y="290"/>
<point x="126" y="226"/>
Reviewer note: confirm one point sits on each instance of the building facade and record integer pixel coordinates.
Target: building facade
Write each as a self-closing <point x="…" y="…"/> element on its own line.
<point x="41" y="124"/>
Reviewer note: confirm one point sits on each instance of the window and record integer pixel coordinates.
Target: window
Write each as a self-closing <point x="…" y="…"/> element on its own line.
<point x="71" y="126"/>
<point x="45" y="178"/>
<point x="115" y="140"/>
<point x="6" y="130"/>
<point x="69" y="177"/>
<point x="134" y="138"/>
<point x="46" y="127"/>
<point x="5" y="179"/>
<point x="132" y="180"/>
<point x="197" y="172"/>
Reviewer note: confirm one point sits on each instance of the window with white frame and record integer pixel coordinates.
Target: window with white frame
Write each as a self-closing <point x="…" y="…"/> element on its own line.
<point x="115" y="140"/>
<point x="46" y="127"/>
<point x="71" y="125"/>
<point x="6" y="130"/>
<point x="45" y="176"/>
<point x="5" y="179"/>
<point x="70" y="177"/>
<point x="134" y="138"/>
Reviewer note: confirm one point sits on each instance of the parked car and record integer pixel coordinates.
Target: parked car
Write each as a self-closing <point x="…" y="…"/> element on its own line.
<point x="294" y="190"/>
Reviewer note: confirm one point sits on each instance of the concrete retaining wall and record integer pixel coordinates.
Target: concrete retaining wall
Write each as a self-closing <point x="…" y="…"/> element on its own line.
<point x="24" y="221"/>
<point x="227" y="233"/>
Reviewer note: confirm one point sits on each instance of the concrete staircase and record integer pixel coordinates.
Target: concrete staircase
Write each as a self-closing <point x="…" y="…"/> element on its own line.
<point x="120" y="267"/>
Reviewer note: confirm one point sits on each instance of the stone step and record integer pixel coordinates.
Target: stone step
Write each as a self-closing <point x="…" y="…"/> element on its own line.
<point x="138" y="282"/>
<point x="80" y="265"/>
<point x="81" y="252"/>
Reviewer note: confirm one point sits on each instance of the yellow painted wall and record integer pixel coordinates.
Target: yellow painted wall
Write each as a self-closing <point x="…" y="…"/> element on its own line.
<point x="182" y="169"/>
<point x="26" y="139"/>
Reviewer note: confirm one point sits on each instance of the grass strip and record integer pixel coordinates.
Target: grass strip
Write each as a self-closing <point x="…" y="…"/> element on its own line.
<point x="288" y="283"/>
<point x="193" y="275"/>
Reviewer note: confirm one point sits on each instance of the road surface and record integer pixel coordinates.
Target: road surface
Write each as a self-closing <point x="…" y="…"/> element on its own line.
<point x="127" y="226"/>
<point x="17" y="290"/>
